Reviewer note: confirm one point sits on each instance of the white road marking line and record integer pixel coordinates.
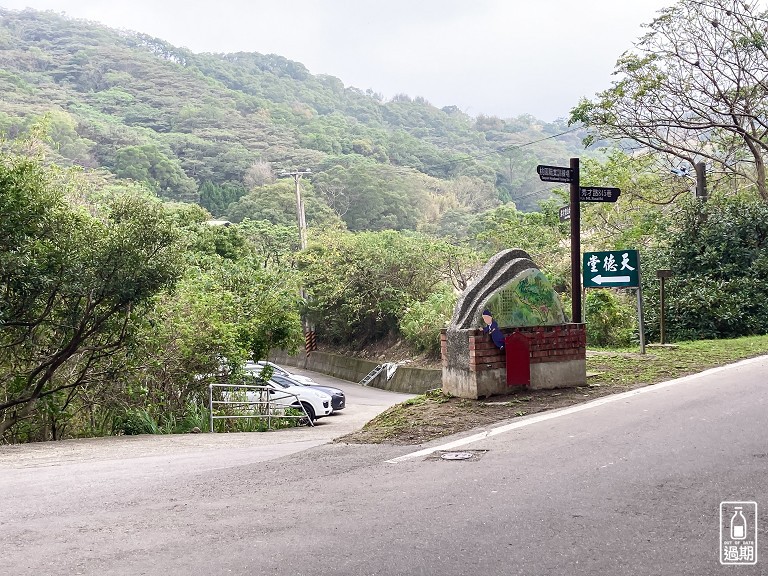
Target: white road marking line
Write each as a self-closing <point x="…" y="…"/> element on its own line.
<point x="571" y="410"/>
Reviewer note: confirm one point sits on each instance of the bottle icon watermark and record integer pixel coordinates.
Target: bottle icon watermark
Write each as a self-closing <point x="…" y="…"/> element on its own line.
<point x="738" y="524"/>
<point x="738" y="533"/>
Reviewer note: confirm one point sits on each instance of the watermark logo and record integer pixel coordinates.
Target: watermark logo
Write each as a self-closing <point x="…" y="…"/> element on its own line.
<point x="738" y="533"/>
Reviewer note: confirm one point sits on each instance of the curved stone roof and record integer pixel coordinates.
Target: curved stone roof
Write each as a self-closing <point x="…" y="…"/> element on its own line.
<point x="499" y="270"/>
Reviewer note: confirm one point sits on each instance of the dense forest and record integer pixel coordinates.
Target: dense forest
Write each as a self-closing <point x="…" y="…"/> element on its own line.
<point x="120" y="302"/>
<point x="209" y="128"/>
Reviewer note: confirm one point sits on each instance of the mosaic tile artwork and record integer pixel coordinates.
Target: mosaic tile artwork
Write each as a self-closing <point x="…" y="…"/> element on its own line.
<point x="527" y="300"/>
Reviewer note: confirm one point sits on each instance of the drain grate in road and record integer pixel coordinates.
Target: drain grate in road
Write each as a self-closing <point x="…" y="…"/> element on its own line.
<point x="462" y="455"/>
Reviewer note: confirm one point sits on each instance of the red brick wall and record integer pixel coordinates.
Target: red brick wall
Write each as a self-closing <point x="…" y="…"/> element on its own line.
<point x="546" y="343"/>
<point x="483" y="354"/>
<point x="556" y="343"/>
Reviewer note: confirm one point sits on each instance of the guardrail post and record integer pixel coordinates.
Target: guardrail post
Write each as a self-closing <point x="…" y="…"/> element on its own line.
<point x="210" y="404"/>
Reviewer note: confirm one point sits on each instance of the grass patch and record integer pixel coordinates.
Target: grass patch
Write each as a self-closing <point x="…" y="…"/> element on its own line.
<point x="626" y="367"/>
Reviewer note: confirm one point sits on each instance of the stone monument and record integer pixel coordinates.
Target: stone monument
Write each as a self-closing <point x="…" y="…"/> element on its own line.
<point x="524" y="304"/>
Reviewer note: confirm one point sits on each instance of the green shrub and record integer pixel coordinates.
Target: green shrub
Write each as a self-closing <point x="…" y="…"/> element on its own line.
<point x="135" y="421"/>
<point x="196" y="415"/>
<point x="422" y="321"/>
<point x="718" y="253"/>
<point x="609" y="317"/>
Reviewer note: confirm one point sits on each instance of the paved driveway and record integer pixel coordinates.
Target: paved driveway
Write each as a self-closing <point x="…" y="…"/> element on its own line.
<point x="208" y="451"/>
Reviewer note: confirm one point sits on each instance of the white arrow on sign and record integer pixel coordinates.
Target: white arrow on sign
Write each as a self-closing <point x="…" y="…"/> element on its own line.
<point x="610" y="279"/>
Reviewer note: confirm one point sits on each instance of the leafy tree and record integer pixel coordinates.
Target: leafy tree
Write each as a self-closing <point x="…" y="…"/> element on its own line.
<point x="648" y="191"/>
<point x="375" y="196"/>
<point x="70" y="283"/>
<point x="214" y="320"/>
<point x="187" y="215"/>
<point x="422" y="322"/>
<point x="360" y="284"/>
<point x="226" y="242"/>
<point x="718" y="253"/>
<point x="62" y="129"/>
<point x="164" y="175"/>
<point x="474" y="193"/>
<point x="273" y="244"/>
<point x="695" y="88"/>
<point x="276" y="203"/>
<point x="452" y="225"/>
<point x="506" y="227"/>
<point x="216" y="198"/>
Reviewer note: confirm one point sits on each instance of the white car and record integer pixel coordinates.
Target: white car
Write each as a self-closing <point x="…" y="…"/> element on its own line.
<point x="284" y="395"/>
<point x="316" y="403"/>
<point x="257" y="367"/>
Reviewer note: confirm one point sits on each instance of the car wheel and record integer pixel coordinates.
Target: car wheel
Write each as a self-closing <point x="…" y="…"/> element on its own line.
<point x="309" y="410"/>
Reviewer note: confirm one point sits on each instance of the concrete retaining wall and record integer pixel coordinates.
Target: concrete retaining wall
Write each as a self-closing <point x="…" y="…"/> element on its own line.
<point x="413" y="380"/>
<point x="406" y="380"/>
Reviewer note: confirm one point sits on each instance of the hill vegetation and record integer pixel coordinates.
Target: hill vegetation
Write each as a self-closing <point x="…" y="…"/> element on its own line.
<point x="209" y="128"/>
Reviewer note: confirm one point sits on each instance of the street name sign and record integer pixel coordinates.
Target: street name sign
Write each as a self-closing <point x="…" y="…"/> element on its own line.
<point x="614" y="269"/>
<point x="598" y="194"/>
<point x="554" y="174"/>
<point x="565" y="213"/>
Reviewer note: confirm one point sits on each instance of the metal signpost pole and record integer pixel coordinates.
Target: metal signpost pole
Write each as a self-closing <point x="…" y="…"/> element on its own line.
<point x="575" y="244"/>
<point x="640" y="319"/>
<point x="570" y="176"/>
<point x="210" y="403"/>
<point x="661" y="315"/>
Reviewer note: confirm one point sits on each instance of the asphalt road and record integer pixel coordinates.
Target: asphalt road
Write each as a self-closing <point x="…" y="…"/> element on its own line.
<point x="199" y="452"/>
<point x="627" y="486"/>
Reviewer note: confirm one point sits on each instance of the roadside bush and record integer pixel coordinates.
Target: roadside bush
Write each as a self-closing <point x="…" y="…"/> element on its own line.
<point x="718" y="253"/>
<point x="422" y="321"/>
<point x="610" y="319"/>
<point x="135" y="421"/>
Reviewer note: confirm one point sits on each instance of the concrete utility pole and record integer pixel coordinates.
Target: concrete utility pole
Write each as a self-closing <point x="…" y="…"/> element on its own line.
<point x="310" y="342"/>
<point x="700" y="192"/>
<point x="300" y="205"/>
<point x="701" y="181"/>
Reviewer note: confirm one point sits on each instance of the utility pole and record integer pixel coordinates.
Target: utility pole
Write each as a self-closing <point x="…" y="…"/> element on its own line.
<point x="700" y="168"/>
<point x="300" y="216"/>
<point x="701" y="181"/>
<point x="310" y="342"/>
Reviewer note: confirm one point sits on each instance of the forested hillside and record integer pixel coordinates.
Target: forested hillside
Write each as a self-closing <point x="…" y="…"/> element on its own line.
<point x="212" y="128"/>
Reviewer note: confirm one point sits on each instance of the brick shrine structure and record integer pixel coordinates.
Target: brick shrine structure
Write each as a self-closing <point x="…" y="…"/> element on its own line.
<point x="473" y="367"/>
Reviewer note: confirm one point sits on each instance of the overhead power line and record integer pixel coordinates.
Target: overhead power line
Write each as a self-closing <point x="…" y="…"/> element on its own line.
<point x="502" y="150"/>
<point x="535" y="192"/>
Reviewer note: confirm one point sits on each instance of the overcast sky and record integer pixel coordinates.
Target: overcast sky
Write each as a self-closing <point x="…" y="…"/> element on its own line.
<point x="494" y="57"/>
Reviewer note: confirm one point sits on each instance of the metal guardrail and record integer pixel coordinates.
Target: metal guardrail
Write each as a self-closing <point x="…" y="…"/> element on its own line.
<point x="266" y="407"/>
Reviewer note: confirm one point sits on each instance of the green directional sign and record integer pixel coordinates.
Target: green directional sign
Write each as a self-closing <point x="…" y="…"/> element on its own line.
<point x="615" y="269"/>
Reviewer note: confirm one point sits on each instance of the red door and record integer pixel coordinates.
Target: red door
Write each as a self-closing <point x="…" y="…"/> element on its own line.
<point x="518" y="360"/>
